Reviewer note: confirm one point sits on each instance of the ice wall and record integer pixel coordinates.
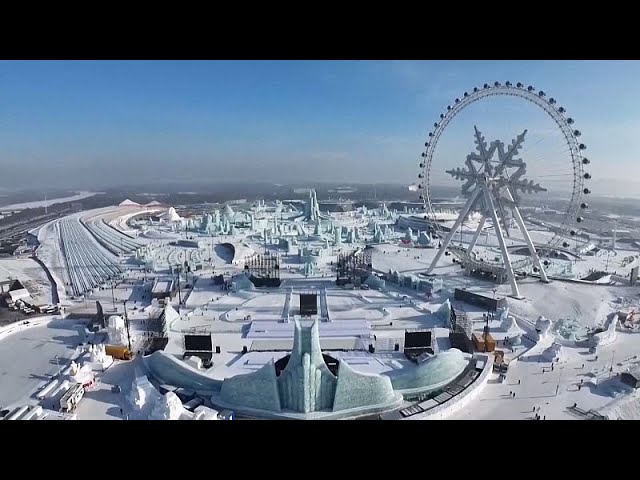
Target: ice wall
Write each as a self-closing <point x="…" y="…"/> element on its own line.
<point x="357" y="390"/>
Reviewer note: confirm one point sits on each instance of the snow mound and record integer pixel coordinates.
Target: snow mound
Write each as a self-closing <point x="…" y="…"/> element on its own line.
<point x="152" y="204"/>
<point x="128" y="203"/>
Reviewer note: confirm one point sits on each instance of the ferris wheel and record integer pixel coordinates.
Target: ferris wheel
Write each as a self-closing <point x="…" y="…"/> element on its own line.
<point x="495" y="181"/>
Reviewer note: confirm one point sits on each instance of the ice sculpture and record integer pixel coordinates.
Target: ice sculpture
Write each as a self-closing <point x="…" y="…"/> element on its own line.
<point x="338" y="235"/>
<point x="205" y="413"/>
<point x="423" y="239"/>
<point x="98" y="353"/>
<point x="543" y="325"/>
<point x="142" y="393"/>
<point x="306" y="384"/>
<point x="311" y="208"/>
<point x="98" y="358"/>
<point x="228" y="213"/>
<point x="168" y="408"/>
<point x="409" y="235"/>
<point x="241" y="282"/>
<point x="508" y="323"/>
<point x="375" y="282"/>
<point x="116" y="330"/>
<point x="444" y="312"/>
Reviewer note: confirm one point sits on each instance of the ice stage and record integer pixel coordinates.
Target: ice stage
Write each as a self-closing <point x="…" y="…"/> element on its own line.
<point x="350" y="328"/>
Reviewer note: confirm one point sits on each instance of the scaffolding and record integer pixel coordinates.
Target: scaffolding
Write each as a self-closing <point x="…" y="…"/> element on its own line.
<point x="263" y="269"/>
<point x="354" y="267"/>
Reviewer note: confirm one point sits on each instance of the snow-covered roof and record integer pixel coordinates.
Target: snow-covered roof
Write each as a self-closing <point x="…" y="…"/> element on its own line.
<point x="152" y="204"/>
<point x="18" y="294"/>
<point x="129" y="203"/>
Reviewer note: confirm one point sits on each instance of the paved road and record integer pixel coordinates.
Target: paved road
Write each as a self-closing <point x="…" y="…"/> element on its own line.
<point x="27" y="357"/>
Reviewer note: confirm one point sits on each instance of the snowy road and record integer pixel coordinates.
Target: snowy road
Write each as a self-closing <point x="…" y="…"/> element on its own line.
<point x="27" y="358"/>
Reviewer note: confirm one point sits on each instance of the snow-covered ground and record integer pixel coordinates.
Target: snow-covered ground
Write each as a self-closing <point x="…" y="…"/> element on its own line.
<point x="31" y="274"/>
<point x="27" y="358"/>
<point x="538" y="389"/>
<point x="228" y="316"/>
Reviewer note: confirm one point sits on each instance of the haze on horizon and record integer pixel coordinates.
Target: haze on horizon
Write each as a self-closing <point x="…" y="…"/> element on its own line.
<point x="93" y="124"/>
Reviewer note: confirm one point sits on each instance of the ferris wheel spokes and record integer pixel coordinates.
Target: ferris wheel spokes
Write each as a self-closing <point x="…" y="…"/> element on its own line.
<point x="495" y="189"/>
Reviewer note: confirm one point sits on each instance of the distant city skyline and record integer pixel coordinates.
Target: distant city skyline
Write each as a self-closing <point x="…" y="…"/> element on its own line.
<point x="83" y="124"/>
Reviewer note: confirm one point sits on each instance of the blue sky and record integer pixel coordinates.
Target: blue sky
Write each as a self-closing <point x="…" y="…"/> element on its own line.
<point x="77" y="122"/>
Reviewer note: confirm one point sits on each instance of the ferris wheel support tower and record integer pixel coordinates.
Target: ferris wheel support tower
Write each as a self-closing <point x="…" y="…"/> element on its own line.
<point x="494" y="186"/>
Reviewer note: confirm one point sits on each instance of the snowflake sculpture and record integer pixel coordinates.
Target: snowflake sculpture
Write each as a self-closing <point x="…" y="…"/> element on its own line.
<point x="482" y="168"/>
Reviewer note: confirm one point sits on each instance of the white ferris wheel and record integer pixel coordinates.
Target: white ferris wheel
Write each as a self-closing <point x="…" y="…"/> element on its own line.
<point x="495" y="179"/>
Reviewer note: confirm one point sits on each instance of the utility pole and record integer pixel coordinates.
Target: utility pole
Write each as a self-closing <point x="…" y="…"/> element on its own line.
<point x="179" y="294"/>
<point x="126" y="324"/>
<point x="613" y="354"/>
<point x="113" y="299"/>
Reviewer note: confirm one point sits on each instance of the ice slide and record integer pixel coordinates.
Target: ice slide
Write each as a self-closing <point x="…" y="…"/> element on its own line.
<point x="167" y="369"/>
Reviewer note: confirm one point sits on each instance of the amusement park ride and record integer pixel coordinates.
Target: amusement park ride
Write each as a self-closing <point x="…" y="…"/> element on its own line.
<point x="493" y="186"/>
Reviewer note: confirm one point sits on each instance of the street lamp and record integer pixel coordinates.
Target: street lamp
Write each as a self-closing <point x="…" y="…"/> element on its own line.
<point x="559" y="379"/>
<point x="613" y="354"/>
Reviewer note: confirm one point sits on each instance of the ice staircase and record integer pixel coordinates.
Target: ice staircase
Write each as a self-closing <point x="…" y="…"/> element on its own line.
<point x="386" y="344"/>
<point x="286" y="310"/>
<point x="324" y="308"/>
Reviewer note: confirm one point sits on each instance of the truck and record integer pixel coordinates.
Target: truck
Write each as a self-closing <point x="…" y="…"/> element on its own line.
<point x="118" y="351"/>
<point x="71" y="398"/>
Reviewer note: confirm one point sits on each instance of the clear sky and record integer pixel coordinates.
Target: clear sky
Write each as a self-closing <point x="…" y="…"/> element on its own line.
<point x="85" y="122"/>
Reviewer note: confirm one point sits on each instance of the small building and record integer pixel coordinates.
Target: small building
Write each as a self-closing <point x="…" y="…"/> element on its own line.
<point x="21" y="294"/>
<point x="631" y="378"/>
<point x="483" y="342"/>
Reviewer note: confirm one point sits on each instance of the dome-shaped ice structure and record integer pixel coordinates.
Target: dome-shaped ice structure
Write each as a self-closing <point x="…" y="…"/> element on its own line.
<point x="432" y="374"/>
